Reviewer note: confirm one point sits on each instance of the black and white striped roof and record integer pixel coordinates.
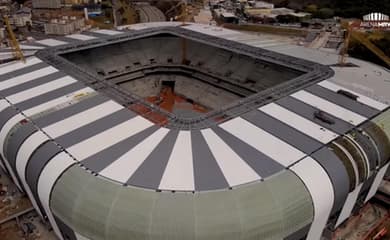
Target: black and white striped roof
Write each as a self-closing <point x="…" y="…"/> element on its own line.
<point x="113" y="142"/>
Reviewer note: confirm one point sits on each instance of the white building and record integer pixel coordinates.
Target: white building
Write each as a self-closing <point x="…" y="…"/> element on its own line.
<point x="261" y="4"/>
<point x="64" y="26"/>
<point x="20" y="20"/>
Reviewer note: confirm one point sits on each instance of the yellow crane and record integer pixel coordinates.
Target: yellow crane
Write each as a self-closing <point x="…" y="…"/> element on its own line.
<point x="359" y="36"/>
<point x="14" y="44"/>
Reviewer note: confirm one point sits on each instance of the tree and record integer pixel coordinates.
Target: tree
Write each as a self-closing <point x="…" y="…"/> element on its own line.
<point x="283" y="3"/>
<point x="311" y="8"/>
<point x="286" y="19"/>
<point x="325" y="13"/>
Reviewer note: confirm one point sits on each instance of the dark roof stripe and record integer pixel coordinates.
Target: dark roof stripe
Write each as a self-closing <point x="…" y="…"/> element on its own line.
<point x="96" y="34"/>
<point x="6" y="115"/>
<point x="66" y="39"/>
<point x="282" y="131"/>
<point x="307" y="111"/>
<point x="101" y="160"/>
<point x="368" y="147"/>
<point x="35" y="165"/>
<point x="16" y="140"/>
<point x="35" y="101"/>
<point x="94" y="128"/>
<point x="31" y="84"/>
<point x="342" y="101"/>
<point x="70" y="110"/>
<point x="367" y="184"/>
<point x="337" y="174"/>
<point x="207" y="173"/>
<point x="66" y="232"/>
<point x="259" y="162"/>
<point x="299" y="234"/>
<point x="22" y="71"/>
<point x="35" y="44"/>
<point x="150" y="172"/>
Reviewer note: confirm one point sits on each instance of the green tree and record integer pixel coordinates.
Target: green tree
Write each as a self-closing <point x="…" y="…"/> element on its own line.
<point x="311" y="8"/>
<point x="325" y="13"/>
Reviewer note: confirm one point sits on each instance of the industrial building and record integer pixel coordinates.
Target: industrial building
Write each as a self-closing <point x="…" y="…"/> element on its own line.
<point x="65" y="26"/>
<point x="21" y="18"/>
<point x="171" y="132"/>
<point x="46" y="3"/>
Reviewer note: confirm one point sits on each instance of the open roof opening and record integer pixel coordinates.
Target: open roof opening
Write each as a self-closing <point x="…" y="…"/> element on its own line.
<point x="181" y="76"/>
<point x="184" y="79"/>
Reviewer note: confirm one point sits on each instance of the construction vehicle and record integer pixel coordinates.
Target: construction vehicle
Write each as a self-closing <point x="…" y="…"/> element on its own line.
<point x="351" y="32"/>
<point x="13" y="42"/>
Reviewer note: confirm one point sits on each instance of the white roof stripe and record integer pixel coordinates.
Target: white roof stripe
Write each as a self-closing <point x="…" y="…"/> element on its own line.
<point x="108" y="138"/>
<point x="57" y="101"/>
<point x="125" y="166"/>
<point x="378" y="179"/>
<point x="3" y="135"/>
<point x="361" y="98"/>
<point x="270" y="145"/>
<point x="81" y="37"/>
<point x="321" y="190"/>
<point x="80" y="237"/>
<point x="27" y="77"/>
<point x="6" y="68"/>
<point x="348" y="205"/>
<point x="329" y="107"/>
<point x="235" y="170"/>
<point x="41" y="89"/>
<point x="30" y="47"/>
<point x="76" y="121"/>
<point x="107" y="32"/>
<point x="51" y="42"/>
<point x="299" y="123"/>
<point x="22" y="157"/>
<point x="3" y="105"/>
<point x="47" y="179"/>
<point x="179" y="172"/>
<point x="4" y="130"/>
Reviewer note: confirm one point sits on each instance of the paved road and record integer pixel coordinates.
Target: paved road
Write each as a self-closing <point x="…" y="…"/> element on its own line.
<point x="150" y="14"/>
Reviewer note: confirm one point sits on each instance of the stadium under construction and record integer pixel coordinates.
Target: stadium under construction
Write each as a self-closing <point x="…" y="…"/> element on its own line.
<point x="184" y="132"/>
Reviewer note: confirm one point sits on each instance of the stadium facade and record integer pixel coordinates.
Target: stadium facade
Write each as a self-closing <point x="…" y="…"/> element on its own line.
<point x="282" y="152"/>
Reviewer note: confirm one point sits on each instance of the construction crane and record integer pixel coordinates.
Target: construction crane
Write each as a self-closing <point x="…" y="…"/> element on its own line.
<point x="13" y="42"/>
<point x="174" y="8"/>
<point x="359" y="36"/>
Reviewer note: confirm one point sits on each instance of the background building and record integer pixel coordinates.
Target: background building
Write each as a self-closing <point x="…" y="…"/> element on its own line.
<point x="46" y="3"/>
<point x="105" y="162"/>
<point x="64" y="26"/>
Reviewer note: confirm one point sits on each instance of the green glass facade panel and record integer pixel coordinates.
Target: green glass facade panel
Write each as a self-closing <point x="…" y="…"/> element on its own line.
<point x="98" y="208"/>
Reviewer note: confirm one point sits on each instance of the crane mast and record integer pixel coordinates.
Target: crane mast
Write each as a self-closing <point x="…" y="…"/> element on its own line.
<point x="14" y="44"/>
<point x="350" y="32"/>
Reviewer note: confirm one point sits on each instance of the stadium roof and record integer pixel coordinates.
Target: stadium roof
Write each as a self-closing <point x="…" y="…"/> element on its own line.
<point x="109" y="141"/>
